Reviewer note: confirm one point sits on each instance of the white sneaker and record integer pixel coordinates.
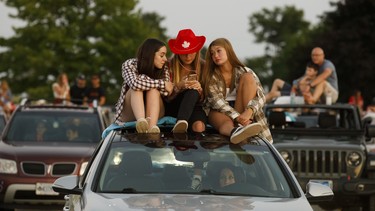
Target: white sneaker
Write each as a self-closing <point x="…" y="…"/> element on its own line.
<point x="154" y="129"/>
<point x="141" y="125"/>
<point x="242" y="133"/>
<point x="180" y="127"/>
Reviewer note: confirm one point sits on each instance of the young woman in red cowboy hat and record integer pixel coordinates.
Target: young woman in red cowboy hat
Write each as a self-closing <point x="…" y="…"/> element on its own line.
<point x="234" y="97"/>
<point x="146" y="79"/>
<point x="185" y="67"/>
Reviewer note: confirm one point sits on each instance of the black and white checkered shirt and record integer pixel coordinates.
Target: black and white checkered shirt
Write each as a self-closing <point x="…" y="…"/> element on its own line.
<point x="134" y="80"/>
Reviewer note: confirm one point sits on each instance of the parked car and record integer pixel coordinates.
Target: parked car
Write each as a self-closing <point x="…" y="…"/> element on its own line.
<point x="327" y="144"/>
<point x="41" y="143"/>
<point x="3" y="120"/>
<point x="131" y="171"/>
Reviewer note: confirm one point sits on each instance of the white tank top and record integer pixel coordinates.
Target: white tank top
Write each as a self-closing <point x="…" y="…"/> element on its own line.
<point x="231" y="96"/>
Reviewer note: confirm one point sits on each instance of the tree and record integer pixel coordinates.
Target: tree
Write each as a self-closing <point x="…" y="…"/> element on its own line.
<point x="347" y="36"/>
<point x="277" y="27"/>
<point x="280" y="30"/>
<point x="92" y="36"/>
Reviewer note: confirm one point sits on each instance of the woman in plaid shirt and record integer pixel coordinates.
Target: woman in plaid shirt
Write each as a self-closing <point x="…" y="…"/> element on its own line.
<point x="146" y="79"/>
<point x="234" y="97"/>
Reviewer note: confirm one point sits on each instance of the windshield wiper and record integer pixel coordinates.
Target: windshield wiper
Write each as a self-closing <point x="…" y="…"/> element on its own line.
<point x="225" y="193"/>
<point x="129" y="190"/>
<point x="208" y="191"/>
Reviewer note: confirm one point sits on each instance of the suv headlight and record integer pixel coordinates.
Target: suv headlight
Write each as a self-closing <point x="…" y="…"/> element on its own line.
<point x="8" y="166"/>
<point x="83" y="168"/>
<point x="354" y="159"/>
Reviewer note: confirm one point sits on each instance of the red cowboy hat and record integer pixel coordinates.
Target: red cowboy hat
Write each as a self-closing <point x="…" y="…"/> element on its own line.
<point x="186" y="42"/>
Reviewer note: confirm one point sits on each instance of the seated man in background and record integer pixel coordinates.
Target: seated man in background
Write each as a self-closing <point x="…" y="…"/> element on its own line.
<point x="327" y="73"/>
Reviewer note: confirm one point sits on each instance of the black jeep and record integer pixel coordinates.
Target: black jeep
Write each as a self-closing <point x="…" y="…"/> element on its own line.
<point x="327" y="144"/>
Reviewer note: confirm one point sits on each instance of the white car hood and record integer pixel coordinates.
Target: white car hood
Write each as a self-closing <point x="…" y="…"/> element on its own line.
<point x="114" y="202"/>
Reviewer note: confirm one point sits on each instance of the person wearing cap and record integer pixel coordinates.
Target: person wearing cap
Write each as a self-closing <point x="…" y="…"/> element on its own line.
<point x="185" y="67"/>
<point x="78" y="90"/>
<point x="146" y="79"/>
<point x="234" y="96"/>
<point x="95" y="92"/>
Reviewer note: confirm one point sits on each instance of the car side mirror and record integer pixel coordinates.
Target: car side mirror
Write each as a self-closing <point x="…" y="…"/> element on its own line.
<point x="67" y="185"/>
<point x="316" y="192"/>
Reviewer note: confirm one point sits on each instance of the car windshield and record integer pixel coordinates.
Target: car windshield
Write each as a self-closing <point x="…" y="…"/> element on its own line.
<point x="54" y="127"/>
<point x="192" y="167"/>
<point x="2" y="122"/>
<point x="311" y="118"/>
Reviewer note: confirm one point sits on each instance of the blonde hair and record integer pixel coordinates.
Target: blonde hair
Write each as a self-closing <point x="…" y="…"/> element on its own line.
<point x="60" y="78"/>
<point x="4" y="85"/>
<point x="176" y="66"/>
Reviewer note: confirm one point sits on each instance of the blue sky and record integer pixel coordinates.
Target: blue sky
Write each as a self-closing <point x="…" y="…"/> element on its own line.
<point x="211" y="18"/>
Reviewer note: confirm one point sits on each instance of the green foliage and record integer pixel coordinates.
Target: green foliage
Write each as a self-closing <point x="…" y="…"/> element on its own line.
<point x="346" y="35"/>
<point x="92" y="36"/>
<point x="282" y="30"/>
<point x="277" y="27"/>
<point x="348" y="41"/>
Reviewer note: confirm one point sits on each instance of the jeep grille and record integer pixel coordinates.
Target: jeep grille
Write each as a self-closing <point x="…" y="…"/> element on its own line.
<point x="319" y="163"/>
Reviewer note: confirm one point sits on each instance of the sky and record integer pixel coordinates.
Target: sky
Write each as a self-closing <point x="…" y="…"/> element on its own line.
<point x="211" y="18"/>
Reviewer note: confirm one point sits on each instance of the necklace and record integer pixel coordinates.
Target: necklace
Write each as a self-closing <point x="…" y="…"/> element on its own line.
<point x="183" y="66"/>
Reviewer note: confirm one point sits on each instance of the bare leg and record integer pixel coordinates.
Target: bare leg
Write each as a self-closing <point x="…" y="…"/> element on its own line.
<point x="275" y="90"/>
<point x="221" y="122"/>
<point x="154" y="107"/>
<point x="133" y="100"/>
<point x="319" y="88"/>
<point x="138" y="104"/>
<point x="313" y="97"/>
<point x="198" y="126"/>
<point x="247" y="89"/>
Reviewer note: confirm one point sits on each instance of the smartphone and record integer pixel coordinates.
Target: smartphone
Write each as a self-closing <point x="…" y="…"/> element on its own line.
<point x="192" y="77"/>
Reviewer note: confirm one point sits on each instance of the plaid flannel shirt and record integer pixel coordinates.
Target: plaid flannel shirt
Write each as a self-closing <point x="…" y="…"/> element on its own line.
<point x="139" y="82"/>
<point x="216" y="101"/>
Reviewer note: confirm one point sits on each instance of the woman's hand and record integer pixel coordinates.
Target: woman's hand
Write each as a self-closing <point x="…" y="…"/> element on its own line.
<point x="193" y="85"/>
<point x="169" y="87"/>
<point x="183" y="84"/>
<point x="245" y="117"/>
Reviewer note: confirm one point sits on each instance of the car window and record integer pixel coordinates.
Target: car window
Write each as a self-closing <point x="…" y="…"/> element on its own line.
<point x="2" y="122"/>
<point x="54" y="127"/>
<point x="311" y="118"/>
<point x="169" y="168"/>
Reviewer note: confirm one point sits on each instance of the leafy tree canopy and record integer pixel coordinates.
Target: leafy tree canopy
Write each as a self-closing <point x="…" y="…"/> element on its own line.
<point x="92" y="36"/>
<point x="346" y="35"/>
<point x="278" y="29"/>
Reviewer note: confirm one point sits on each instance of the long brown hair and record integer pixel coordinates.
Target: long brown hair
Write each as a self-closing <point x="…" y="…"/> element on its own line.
<point x="60" y="78"/>
<point x="175" y="66"/>
<point x="211" y="69"/>
<point x="145" y="58"/>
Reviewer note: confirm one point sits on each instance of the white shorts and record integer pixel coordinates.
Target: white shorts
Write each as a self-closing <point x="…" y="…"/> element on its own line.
<point x="332" y="91"/>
